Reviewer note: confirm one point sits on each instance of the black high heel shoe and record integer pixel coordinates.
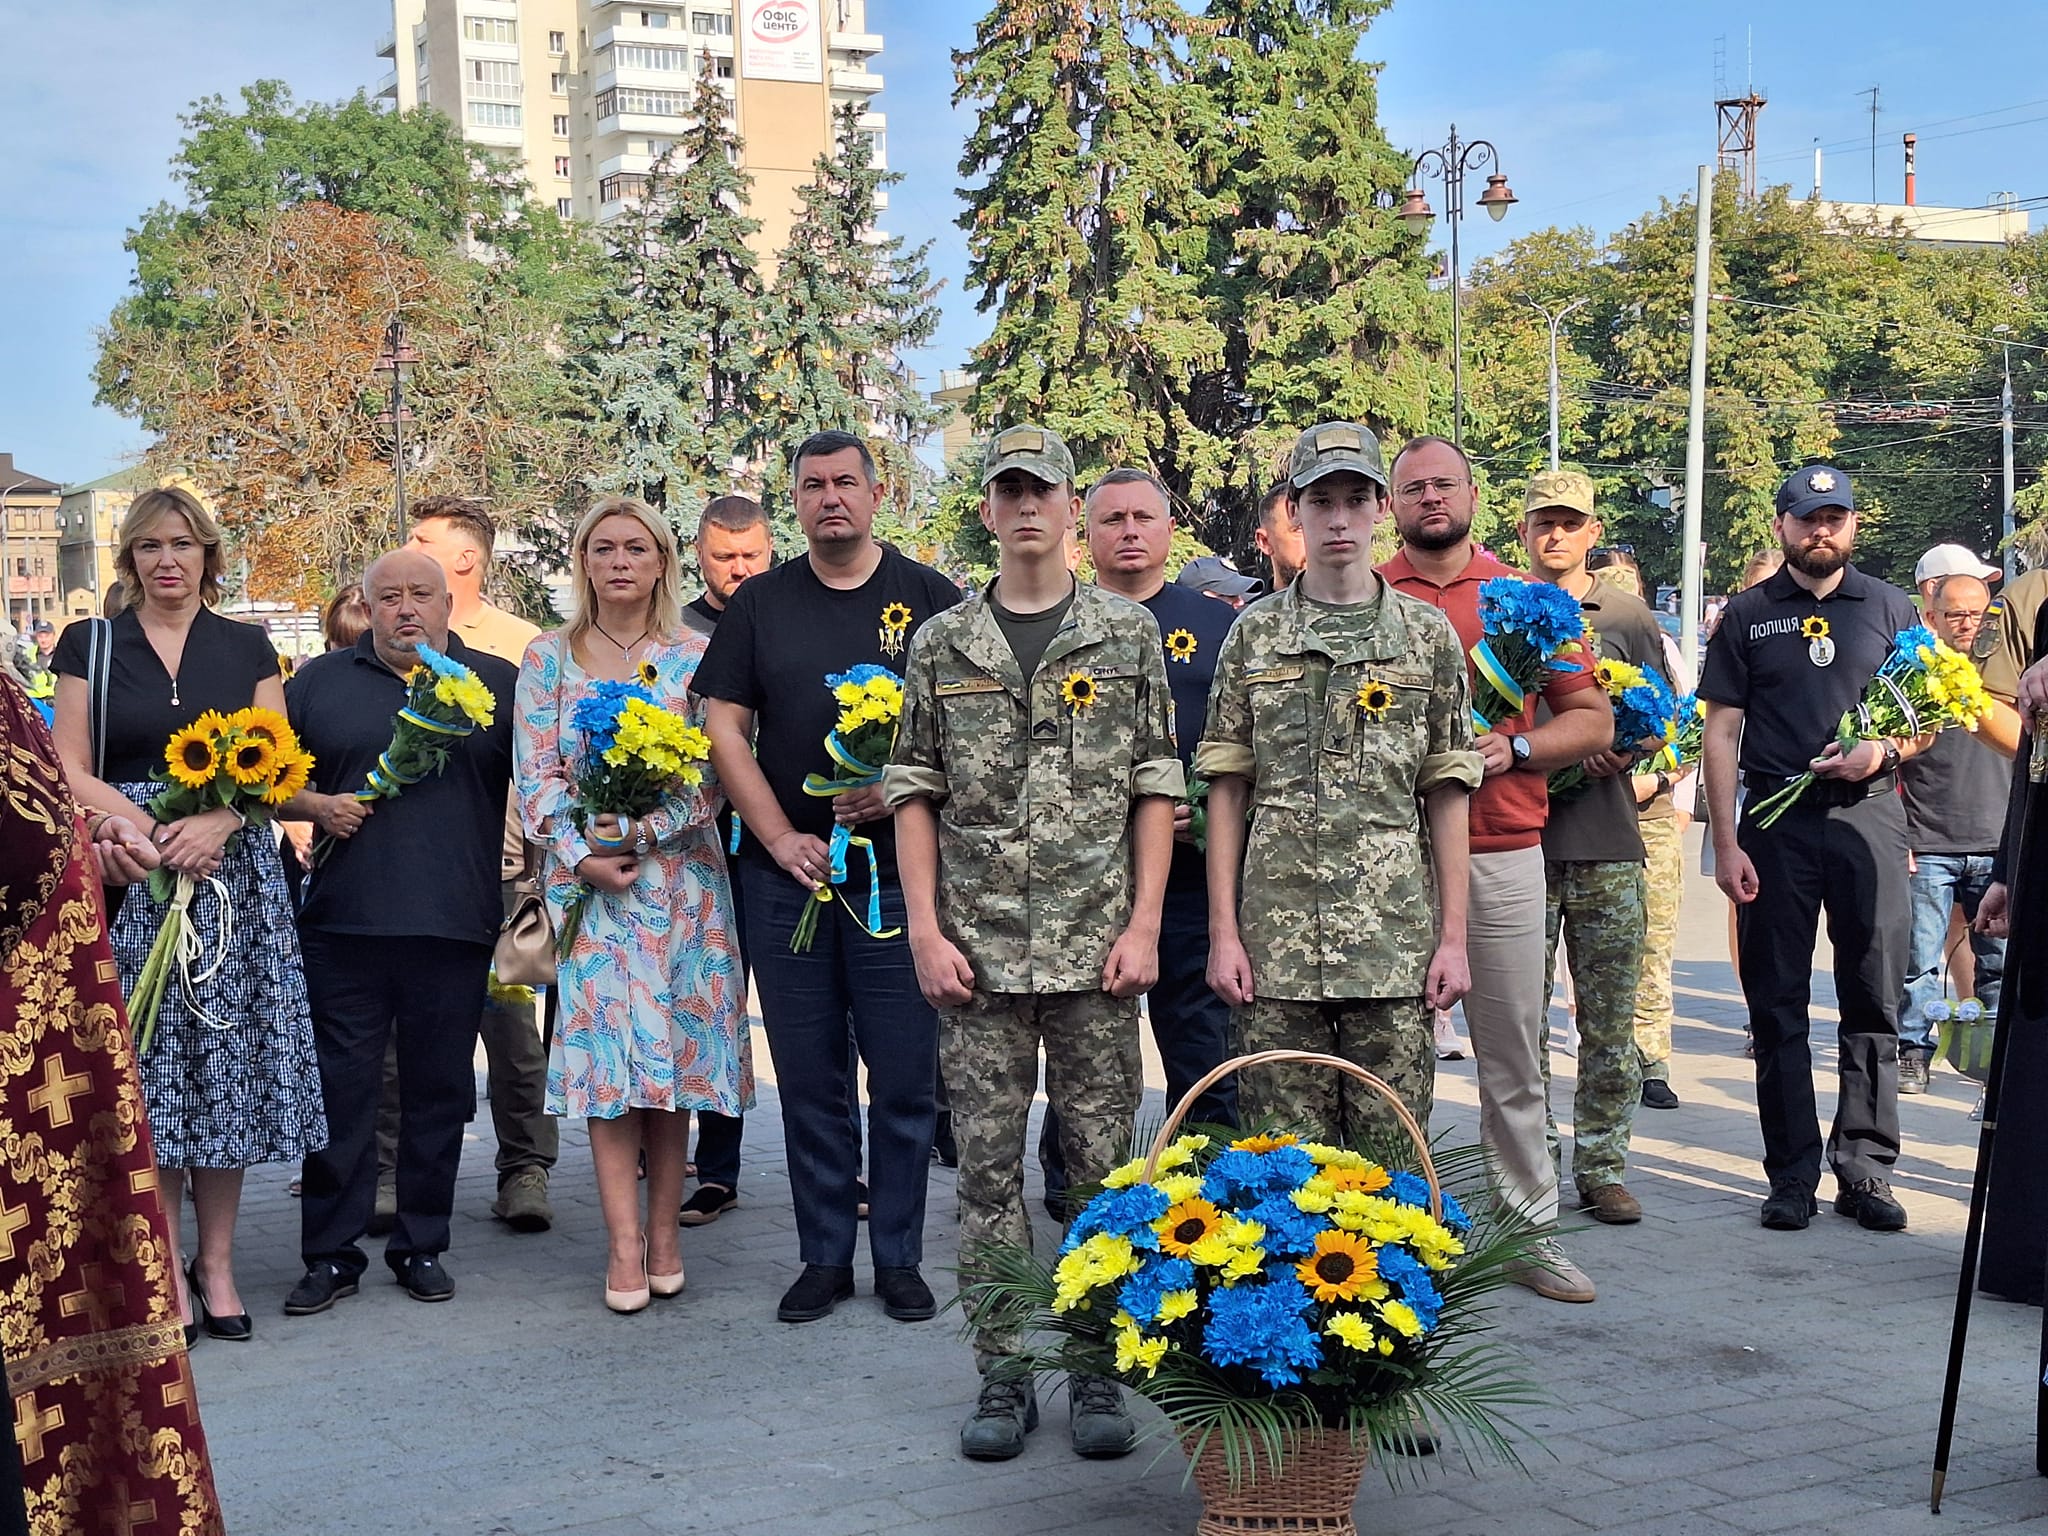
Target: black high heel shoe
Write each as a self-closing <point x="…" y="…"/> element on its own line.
<point x="235" y="1330"/>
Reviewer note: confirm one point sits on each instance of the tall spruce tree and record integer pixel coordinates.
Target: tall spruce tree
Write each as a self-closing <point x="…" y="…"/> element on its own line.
<point x="1321" y="294"/>
<point x="1085" y="233"/>
<point x="847" y="303"/>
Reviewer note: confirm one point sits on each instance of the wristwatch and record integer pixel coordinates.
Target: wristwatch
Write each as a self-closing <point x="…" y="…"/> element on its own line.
<point x="1518" y="748"/>
<point x="1891" y="755"/>
<point x="1663" y="784"/>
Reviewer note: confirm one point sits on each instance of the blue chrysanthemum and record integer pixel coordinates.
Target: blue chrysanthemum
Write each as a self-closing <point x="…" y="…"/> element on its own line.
<point x="1548" y="617"/>
<point x="1289" y="1229"/>
<point x="1140" y="1294"/>
<point x="1238" y="1171"/>
<point x="1401" y="1268"/>
<point x="860" y="676"/>
<point x="1455" y="1216"/>
<point x="1125" y="1212"/>
<point x="1263" y="1326"/>
<point x="1409" y="1189"/>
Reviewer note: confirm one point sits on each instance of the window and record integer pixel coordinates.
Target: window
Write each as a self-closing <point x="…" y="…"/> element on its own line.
<point x="564" y="207"/>
<point x="673" y="61"/>
<point x="647" y="103"/>
<point x="622" y="185"/>
<point x="722" y="68"/>
<point x="490" y="29"/>
<point x="709" y="24"/>
<point x="493" y="80"/>
<point x="558" y="83"/>
<point x="561" y="125"/>
<point x="562" y="167"/>
<point x="494" y="114"/>
<point x="657" y="20"/>
<point x="558" y="42"/>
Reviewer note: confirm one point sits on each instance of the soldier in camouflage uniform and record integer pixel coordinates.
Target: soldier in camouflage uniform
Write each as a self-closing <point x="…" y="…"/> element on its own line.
<point x="1034" y="782"/>
<point x="1593" y="863"/>
<point x="1341" y="717"/>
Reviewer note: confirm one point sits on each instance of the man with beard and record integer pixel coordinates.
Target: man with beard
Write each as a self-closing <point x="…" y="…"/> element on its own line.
<point x="1790" y="655"/>
<point x="1279" y="536"/>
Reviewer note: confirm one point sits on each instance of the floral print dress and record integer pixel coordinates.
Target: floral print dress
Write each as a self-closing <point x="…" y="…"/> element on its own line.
<point x="652" y="1006"/>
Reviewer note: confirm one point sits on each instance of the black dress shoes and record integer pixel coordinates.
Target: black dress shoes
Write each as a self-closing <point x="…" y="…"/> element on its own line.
<point x="819" y="1289"/>
<point x="904" y="1295"/>
<point x="424" y="1278"/>
<point x="324" y="1284"/>
<point x="236" y="1330"/>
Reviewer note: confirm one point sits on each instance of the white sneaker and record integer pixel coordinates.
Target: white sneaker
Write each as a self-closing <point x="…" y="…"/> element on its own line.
<point x="1448" y="1046"/>
<point x="1550" y="1274"/>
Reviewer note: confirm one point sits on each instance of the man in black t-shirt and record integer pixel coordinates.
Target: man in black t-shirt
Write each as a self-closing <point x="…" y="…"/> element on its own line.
<point x="1789" y="656"/>
<point x="848" y="601"/>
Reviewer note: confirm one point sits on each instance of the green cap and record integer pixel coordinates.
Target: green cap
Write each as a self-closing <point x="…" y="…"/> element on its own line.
<point x="1323" y="450"/>
<point x="1038" y="451"/>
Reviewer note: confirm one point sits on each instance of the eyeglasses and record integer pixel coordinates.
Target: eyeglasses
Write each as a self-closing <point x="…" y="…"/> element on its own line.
<point x="1414" y="489"/>
<point x="1963" y="615"/>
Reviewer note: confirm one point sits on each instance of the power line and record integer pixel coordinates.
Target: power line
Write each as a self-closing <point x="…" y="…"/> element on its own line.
<point x="1939" y="122"/>
<point x="1898" y="325"/>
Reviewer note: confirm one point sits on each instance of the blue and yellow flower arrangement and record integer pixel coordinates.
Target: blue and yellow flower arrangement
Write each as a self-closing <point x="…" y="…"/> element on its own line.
<point x="1530" y="629"/>
<point x="870" y="700"/>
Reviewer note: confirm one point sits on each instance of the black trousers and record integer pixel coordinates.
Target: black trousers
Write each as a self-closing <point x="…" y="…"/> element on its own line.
<point x="1190" y="1023"/>
<point x="362" y="990"/>
<point x="1848" y="861"/>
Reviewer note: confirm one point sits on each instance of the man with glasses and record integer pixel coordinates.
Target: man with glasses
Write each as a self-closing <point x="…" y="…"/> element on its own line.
<point x="1434" y="501"/>
<point x="1955" y="811"/>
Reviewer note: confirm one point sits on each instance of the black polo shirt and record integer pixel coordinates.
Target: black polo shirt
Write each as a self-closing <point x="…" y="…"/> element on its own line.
<point x="426" y="863"/>
<point x="1761" y="663"/>
<point x="1190" y="669"/>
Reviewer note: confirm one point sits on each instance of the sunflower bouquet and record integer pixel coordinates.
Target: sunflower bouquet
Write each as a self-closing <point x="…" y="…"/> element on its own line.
<point x="635" y="755"/>
<point x="444" y="702"/>
<point x="1644" y="710"/>
<point x="1529" y="629"/>
<point x="250" y="763"/>
<point x="870" y="702"/>
<point x="1924" y="685"/>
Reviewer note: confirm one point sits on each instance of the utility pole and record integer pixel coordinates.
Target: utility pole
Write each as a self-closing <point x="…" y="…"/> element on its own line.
<point x="1872" y="94"/>
<point x="2010" y="548"/>
<point x="1554" y="321"/>
<point x="1696" y="432"/>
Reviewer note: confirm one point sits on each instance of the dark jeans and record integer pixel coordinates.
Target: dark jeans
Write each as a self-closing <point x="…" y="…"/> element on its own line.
<point x="362" y="990"/>
<point x="807" y="1003"/>
<point x="1939" y="882"/>
<point x="1190" y="1024"/>
<point x="1848" y="861"/>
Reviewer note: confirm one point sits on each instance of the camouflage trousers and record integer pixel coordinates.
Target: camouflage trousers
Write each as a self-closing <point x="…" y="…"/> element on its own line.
<point x="1664" y="880"/>
<point x="988" y="1056"/>
<point x="1391" y="1037"/>
<point x="1599" y="909"/>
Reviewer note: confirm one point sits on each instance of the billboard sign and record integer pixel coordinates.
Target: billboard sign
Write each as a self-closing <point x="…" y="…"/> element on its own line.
<point x="783" y="41"/>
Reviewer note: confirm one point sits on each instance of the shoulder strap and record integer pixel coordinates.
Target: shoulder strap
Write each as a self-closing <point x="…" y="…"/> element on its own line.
<point x="98" y="668"/>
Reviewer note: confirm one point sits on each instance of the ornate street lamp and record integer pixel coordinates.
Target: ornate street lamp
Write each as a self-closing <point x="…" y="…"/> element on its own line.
<point x="1451" y="163"/>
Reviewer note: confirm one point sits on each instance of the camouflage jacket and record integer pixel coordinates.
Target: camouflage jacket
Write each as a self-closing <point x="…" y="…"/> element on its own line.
<point x="1034" y="793"/>
<point x="1341" y="719"/>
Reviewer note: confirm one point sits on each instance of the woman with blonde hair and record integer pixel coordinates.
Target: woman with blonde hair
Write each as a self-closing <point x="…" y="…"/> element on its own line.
<point x="229" y="1077"/>
<point x="652" y="1002"/>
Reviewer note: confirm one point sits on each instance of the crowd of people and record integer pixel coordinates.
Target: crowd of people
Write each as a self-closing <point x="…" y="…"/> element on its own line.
<point x="1274" y="817"/>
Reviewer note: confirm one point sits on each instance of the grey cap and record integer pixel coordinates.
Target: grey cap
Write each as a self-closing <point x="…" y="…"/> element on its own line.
<point x="1218" y="577"/>
<point x="1038" y="451"/>
<point x="1334" y="445"/>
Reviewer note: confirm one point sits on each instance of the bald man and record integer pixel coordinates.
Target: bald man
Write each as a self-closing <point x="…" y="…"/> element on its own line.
<point x="397" y="929"/>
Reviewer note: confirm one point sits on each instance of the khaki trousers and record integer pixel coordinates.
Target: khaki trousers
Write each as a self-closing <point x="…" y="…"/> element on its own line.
<point x="1506" y="1012"/>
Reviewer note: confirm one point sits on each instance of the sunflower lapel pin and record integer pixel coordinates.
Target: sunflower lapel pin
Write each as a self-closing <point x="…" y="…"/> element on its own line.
<point x="895" y="624"/>
<point x="1180" y="646"/>
<point x="1079" y="692"/>
<point x="1375" y="698"/>
<point x="1820" y="650"/>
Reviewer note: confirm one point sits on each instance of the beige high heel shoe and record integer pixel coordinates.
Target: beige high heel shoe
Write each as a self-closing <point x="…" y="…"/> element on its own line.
<point x="634" y="1300"/>
<point x="666" y="1285"/>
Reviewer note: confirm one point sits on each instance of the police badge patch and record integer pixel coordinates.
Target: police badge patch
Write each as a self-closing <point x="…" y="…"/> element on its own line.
<point x="1820" y="649"/>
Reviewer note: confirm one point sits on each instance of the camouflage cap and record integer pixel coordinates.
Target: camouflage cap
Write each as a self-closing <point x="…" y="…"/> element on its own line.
<point x="1565" y="488"/>
<point x="1038" y="451"/>
<point x="1333" y="446"/>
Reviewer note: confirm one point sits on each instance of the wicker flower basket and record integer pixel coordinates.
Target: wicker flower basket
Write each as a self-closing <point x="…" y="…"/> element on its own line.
<point x="1315" y="1487"/>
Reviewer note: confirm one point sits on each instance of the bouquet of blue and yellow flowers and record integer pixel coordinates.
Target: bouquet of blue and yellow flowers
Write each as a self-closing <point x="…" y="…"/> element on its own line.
<point x="1686" y="738"/>
<point x="1531" y="629"/>
<point x="634" y="755"/>
<point x="1644" y="710"/>
<point x="870" y="702"/>
<point x="1924" y="685"/>
<point x="444" y="702"/>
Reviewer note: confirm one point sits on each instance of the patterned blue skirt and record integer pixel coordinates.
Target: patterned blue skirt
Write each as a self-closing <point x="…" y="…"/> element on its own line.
<point x="239" y="1085"/>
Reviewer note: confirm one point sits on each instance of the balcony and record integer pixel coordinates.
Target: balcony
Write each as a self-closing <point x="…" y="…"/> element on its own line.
<point x="387" y="86"/>
<point x="856" y="42"/>
<point x="855" y="82"/>
<point x="387" y="46"/>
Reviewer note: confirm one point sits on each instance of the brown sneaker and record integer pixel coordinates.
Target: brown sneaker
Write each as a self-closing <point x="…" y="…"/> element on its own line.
<point x="522" y="1202"/>
<point x="1551" y="1275"/>
<point x="1612" y="1204"/>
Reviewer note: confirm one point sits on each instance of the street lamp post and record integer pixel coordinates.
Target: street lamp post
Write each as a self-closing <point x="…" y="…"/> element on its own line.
<point x="396" y="358"/>
<point x="2009" y="549"/>
<point x="1451" y="162"/>
<point x="1554" y="322"/>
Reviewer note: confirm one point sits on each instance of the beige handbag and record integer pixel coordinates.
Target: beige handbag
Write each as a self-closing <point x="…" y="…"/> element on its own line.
<point x="525" y="953"/>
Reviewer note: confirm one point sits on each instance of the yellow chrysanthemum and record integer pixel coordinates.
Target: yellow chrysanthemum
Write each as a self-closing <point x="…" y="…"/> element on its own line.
<point x="1178" y="1186"/>
<point x="1175" y="1305"/>
<point x="1136" y="1352"/>
<point x="190" y="756"/>
<point x="1618" y="676"/>
<point x="1375" y="699"/>
<point x="1400" y="1317"/>
<point x="1186" y="1225"/>
<point x="1814" y="628"/>
<point x="251" y="761"/>
<point x="1265" y="1142"/>
<point x="848" y="694"/>
<point x="1127" y="1175"/>
<point x="1323" y="1155"/>
<point x="1350" y="1330"/>
<point x="1079" y="691"/>
<point x="1315" y="1197"/>
<point x="294" y="769"/>
<point x="465" y="693"/>
<point x="1102" y="1259"/>
<point x="1180" y="645"/>
<point x="1181" y="1152"/>
<point x="896" y="616"/>
<point x="1341" y="1268"/>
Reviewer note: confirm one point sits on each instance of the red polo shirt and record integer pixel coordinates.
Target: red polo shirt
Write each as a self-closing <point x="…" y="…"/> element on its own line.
<point x="1508" y="810"/>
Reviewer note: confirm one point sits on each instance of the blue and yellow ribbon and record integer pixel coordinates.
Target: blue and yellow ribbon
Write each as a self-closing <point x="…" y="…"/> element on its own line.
<point x="864" y="774"/>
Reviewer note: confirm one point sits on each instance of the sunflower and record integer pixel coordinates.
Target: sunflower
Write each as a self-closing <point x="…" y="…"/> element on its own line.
<point x="1265" y="1141"/>
<point x="191" y="757"/>
<point x="257" y="721"/>
<point x="1375" y="699"/>
<point x="648" y="673"/>
<point x="1079" y="690"/>
<point x="896" y="616"/>
<point x="1180" y="645"/>
<point x="252" y="761"/>
<point x="293" y="771"/>
<point x="1367" y="1180"/>
<point x="1185" y="1225"/>
<point x="1815" y="628"/>
<point x="1341" y="1268"/>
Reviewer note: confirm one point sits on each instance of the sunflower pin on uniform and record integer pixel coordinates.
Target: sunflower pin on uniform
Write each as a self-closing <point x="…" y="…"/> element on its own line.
<point x="1375" y="698"/>
<point x="1180" y="645"/>
<point x="1079" y="692"/>
<point x="1820" y="650"/>
<point x="895" y="623"/>
<point x="648" y="674"/>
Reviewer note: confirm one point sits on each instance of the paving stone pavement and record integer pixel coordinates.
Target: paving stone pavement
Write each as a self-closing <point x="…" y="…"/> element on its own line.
<point x="1727" y="1380"/>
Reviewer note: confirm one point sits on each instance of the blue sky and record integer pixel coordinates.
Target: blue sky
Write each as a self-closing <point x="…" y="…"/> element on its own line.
<point x="1598" y="108"/>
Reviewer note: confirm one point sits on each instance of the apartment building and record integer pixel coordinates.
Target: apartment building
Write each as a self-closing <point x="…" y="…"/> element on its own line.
<point x="588" y="94"/>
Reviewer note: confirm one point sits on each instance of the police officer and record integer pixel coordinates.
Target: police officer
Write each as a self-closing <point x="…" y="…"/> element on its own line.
<point x="1341" y="718"/>
<point x="1034" y="782"/>
<point x="1790" y="656"/>
<point x="1129" y="527"/>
